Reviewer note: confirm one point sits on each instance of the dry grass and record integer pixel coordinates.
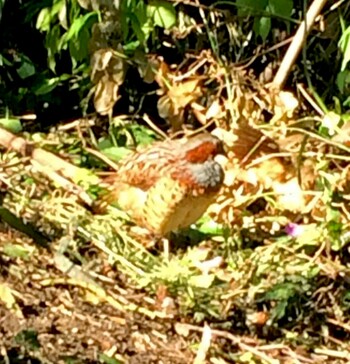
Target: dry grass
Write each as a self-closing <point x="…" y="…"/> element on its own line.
<point x="265" y="296"/>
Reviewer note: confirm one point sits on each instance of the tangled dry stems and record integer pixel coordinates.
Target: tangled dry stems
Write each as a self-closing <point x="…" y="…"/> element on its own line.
<point x="273" y="285"/>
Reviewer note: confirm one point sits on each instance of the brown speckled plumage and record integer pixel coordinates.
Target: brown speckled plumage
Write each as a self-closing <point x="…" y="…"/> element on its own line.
<point x="168" y="185"/>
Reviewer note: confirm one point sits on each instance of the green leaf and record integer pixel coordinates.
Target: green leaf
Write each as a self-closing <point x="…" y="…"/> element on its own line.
<point x="162" y="13"/>
<point x="344" y="45"/>
<point x="116" y="153"/>
<point x="131" y="46"/>
<point x="346" y="103"/>
<point x="52" y="43"/>
<point x="28" y="338"/>
<point x="140" y="12"/>
<point x="310" y="236"/>
<point x="281" y="292"/>
<point x="78" y="47"/>
<point x="104" y="143"/>
<point x="262" y="27"/>
<point x="47" y="15"/>
<point x="4" y="61"/>
<point x="47" y="86"/>
<point x="43" y="20"/>
<point x="13" y="125"/>
<point x="250" y="7"/>
<point x="107" y="360"/>
<point x="142" y="134"/>
<point x="208" y="226"/>
<point x="79" y="23"/>
<point x="343" y="80"/>
<point x="202" y="281"/>
<point x="62" y="16"/>
<point x="141" y="24"/>
<point x="53" y="37"/>
<point x="346" y="298"/>
<point x="279" y="311"/>
<point x="16" y="251"/>
<point x="282" y="8"/>
<point x="142" y="29"/>
<point x="124" y="21"/>
<point x="85" y="178"/>
<point x="51" y="60"/>
<point x="26" y="70"/>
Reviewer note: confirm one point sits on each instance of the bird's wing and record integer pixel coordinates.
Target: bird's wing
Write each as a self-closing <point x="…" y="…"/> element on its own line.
<point x="145" y="167"/>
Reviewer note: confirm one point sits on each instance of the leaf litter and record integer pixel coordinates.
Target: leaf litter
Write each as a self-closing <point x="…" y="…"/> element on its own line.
<point x="273" y="295"/>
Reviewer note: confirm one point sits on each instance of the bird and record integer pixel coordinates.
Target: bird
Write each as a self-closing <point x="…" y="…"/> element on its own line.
<point x="168" y="185"/>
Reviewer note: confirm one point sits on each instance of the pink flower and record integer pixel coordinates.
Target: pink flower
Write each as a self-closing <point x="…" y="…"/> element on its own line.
<point x="294" y="230"/>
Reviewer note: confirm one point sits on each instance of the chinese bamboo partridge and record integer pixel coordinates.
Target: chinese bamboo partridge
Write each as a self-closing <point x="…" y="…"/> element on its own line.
<point x="168" y="185"/>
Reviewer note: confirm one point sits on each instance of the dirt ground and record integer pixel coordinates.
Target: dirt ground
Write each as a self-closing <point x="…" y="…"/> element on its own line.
<point x="55" y="321"/>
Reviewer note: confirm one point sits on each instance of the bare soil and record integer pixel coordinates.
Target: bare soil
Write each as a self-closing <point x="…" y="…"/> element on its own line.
<point x="57" y="322"/>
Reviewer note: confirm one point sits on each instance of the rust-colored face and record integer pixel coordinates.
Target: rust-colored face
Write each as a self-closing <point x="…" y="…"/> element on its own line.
<point x="202" y="148"/>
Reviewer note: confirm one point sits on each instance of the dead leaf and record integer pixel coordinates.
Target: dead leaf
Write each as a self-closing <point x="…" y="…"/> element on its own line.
<point x="8" y="298"/>
<point x="184" y="93"/>
<point x="106" y="95"/>
<point x="108" y="72"/>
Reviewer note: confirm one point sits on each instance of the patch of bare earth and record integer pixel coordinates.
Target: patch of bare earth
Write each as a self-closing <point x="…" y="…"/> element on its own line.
<point x="52" y="322"/>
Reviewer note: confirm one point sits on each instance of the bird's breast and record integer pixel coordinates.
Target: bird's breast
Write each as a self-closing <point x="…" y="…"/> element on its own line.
<point x="171" y="205"/>
<point x="202" y="178"/>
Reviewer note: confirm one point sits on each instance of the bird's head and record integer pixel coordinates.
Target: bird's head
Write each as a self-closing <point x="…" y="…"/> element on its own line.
<point x="202" y="147"/>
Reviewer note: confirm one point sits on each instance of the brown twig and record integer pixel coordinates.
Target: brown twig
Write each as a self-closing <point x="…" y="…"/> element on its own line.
<point x="309" y="99"/>
<point x="235" y="339"/>
<point x="297" y="43"/>
<point x="49" y="164"/>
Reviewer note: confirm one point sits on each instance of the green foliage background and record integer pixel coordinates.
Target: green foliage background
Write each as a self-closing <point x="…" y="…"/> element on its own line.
<point x="46" y="45"/>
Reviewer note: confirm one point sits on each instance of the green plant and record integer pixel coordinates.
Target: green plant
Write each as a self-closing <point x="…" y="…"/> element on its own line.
<point x="343" y="77"/>
<point x="67" y="27"/>
<point x="138" y="21"/>
<point x="263" y="11"/>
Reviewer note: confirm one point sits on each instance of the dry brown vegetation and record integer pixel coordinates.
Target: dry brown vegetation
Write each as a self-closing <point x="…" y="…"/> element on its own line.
<point x="263" y="277"/>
